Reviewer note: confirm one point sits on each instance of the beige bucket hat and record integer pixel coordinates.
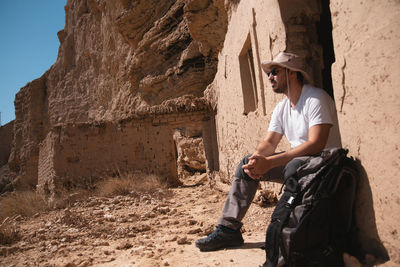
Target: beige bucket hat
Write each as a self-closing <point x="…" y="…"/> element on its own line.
<point x="290" y="61"/>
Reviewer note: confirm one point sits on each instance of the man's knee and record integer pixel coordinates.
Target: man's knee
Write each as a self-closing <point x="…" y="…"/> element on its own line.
<point x="292" y="166"/>
<point x="239" y="171"/>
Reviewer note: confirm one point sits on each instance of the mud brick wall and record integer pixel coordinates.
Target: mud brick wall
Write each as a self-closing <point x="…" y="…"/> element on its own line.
<point x="46" y="171"/>
<point x="79" y="154"/>
<point x="90" y="151"/>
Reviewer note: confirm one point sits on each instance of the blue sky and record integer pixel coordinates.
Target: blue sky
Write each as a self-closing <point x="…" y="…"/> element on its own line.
<point x="28" y="46"/>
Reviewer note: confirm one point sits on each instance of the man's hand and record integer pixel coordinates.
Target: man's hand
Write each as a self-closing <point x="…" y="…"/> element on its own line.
<point x="257" y="166"/>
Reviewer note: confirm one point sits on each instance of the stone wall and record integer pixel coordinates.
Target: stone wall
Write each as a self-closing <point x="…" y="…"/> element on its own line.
<point x="6" y="136"/>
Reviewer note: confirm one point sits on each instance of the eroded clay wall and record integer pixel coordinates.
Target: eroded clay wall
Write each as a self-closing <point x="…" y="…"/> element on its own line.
<point x="46" y="168"/>
<point x="89" y="151"/>
<point x="263" y="27"/>
<point x="79" y="154"/>
<point x="366" y="80"/>
<point x="30" y="123"/>
<point x="238" y="133"/>
<point x="6" y="137"/>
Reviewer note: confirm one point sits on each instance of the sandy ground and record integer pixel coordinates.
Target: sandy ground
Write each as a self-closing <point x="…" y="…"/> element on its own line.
<point x="155" y="229"/>
<point x="136" y="231"/>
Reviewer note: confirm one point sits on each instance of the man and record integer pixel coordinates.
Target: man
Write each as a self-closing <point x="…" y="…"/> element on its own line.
<point x="306" y="116"/>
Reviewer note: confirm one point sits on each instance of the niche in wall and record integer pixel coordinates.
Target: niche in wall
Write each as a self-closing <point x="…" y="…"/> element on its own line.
<point x="247" y="76"/>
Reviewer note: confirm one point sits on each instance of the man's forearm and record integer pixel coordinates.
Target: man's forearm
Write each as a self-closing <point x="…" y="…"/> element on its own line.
<point x="318" y="136"/>
<point x="268" y="145"/>
<point x="265" y="148"/>
<point x="270" y="160"/>
<point x="306" y="149"/>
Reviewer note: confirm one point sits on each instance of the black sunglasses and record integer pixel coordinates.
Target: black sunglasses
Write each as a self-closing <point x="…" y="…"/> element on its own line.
<point x="274" y="72"/>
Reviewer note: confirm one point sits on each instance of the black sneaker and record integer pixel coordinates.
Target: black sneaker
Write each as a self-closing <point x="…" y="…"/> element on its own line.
<point x="222" y="237"/>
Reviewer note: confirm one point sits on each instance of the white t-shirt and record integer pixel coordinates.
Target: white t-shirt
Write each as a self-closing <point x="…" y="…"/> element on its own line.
<point x="314" y="107"/>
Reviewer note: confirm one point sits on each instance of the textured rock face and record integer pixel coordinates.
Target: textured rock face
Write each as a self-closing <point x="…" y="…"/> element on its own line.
<point x="6" y="136"/>
<point x="116" y="56"/>
<point x="118" y="59"/>
<point x="31" y="120"/>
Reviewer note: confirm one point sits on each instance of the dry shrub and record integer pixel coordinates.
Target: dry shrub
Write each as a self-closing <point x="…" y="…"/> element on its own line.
<point x="73" y="219"/>
<point x="25" y="203"/>
<point x="128" y="184"/>
<point x="9" y="233"/>
<point x="65" y="198"/>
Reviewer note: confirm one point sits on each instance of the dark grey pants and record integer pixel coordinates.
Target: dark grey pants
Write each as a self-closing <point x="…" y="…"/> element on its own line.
<point x="243" y="190"/>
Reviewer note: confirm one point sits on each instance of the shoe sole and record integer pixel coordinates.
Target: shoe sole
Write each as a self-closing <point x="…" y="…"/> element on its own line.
<point x="219" y="248"/>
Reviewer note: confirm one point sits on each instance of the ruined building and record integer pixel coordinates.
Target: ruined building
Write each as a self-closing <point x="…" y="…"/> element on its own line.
<point x="134" y="79"/>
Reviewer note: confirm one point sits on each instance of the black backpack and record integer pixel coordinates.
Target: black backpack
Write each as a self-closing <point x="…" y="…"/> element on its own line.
<point x="311" y="223"/>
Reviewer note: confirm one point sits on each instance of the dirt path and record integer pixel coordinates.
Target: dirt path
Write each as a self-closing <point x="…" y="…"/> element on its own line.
<point x="136" y="231"/>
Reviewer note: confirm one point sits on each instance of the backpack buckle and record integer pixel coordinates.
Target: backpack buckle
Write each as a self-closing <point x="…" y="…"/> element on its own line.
<point x="290" y="201"/>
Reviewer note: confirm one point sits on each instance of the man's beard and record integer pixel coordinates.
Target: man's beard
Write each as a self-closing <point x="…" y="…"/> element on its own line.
<point x="279" y="89"/>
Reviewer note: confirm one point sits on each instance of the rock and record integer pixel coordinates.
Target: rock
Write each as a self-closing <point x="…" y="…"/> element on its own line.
<point x="109" y="217"/>
<point x="124" y="246"/>
<point x="163" y="210"/>
<point x="73" y="230"/>
<point x="137" y="250"/>
<point x="122" y="220"/>
<point x="99" y="243"/>
<point x="122" y="231"/>
<point x="115" y="201"/>
<point x="183" y="241"/>
<point x="149" y="215"/>
<point x="98" y="212"/>
<point x="195" y="231"/>
<point x="192" y="222"/>
<point x="173" y="211"/>
<point x="106" y="208"/>
<point x="208" y="229"/>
